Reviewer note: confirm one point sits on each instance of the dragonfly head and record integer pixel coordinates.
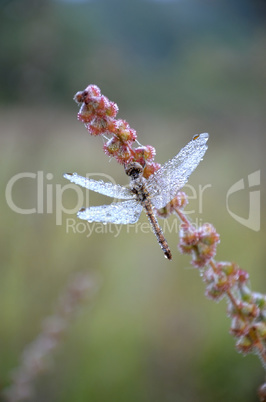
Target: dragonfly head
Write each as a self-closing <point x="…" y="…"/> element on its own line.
<point x="134" y="170"/>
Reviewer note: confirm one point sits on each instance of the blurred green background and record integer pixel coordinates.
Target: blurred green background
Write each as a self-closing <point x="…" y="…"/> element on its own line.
<point x="175" y="68"/>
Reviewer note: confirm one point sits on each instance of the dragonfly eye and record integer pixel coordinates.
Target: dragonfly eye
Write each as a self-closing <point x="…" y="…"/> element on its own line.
<point x="134" y="170"/>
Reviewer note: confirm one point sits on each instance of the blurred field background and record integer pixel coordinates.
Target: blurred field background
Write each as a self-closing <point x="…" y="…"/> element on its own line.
<point x="175" y="68"/>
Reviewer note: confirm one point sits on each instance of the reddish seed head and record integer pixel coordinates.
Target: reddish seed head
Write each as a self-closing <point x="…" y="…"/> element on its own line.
<point x="124" y="155"/>
<point x="260" y="328"/>
<point x="243" y="276"/>
<point x="85" y="113"/>
<point x="146" y="152"/>
<point x="112" y="109"/>
<point x="121" y="152"/>
<point x="259" y="299"/>
<point x="177" y="203"/>
<point x="93" y="90"/>
<point x="124" y="132"/>
<point x="180" y="201"/>
<point x="103" y="104"/>
<point x="244" y="309"/>
<point x="221" y="279"/>
<point x="208" y="240"/>
<point x="215" y="293"/>
<point x="85" y="96"/>
<point x="104" y="107"/>
<point x="249" y="310"/>
<point x="218" y="284"/>
<point x="244" y="345"/>
<point x="188" y="235"/>
<point x="139" y="156"/>
<point x="80" y="96"/>
<point x="228" y="268"/>
<point x="208" y="234"/>
<point x="188" y="239"/>
<point x="239" y="326"/>
<point x="150" y="168"/>
<point x="97" y="126"/>
<point x="111" y="147"/>
<point x="201" y="243"/>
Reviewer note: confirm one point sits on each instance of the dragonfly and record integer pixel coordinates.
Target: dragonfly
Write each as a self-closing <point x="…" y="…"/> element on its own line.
<point x="149" y="194"/>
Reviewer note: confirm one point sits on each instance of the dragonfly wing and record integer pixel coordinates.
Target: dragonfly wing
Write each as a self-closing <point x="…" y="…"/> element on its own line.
<point x="119" y="212"/>
<point x="109" y="189"/>
<point x="164" y="184"/>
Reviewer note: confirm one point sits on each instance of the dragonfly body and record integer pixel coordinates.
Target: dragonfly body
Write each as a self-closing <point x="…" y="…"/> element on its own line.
<point x="148" y="194"/>
<point x="138" y="187"/>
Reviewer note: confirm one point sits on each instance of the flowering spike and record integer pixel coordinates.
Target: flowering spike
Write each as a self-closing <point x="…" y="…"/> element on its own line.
<point x="98" y="114"/>
<point x="246" y="309"/>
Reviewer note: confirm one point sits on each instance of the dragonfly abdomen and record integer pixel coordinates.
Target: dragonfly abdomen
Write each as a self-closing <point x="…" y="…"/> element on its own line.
<point x="156" y="229"/>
